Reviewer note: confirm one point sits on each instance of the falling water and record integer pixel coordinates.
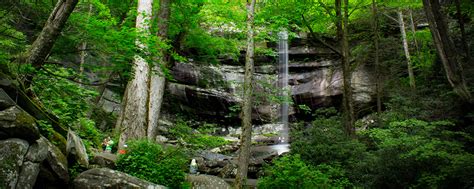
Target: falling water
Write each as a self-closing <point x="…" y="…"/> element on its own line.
<point x="283" y="145"/>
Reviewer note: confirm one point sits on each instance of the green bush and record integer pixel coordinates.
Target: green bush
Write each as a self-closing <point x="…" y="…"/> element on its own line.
<point x="291" y="172"/>
<point x="418" y="154"/>
<point x="326" y="142"/>
<point x="149" y="161"/>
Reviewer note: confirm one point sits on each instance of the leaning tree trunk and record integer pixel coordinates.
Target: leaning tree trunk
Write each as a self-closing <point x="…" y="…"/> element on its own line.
<point x="401" y="24"/>
<point x="446" y="49"/>
<point x="41" y="47"/>
<point x="246" y="136"/>
<point x="157" y="77"/>
<point x="133" y="118"/>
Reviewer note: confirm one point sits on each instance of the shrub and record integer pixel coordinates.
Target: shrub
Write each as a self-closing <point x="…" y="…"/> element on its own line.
<point x="419" y="154"/>
<point x="325" y="141"/>
<point x="149" y="161"/>
<point x="291" y="172"/>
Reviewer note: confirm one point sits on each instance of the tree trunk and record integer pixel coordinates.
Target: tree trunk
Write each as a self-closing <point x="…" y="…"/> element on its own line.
<point x="378" y="85"/>
<point x="157" y="78"/>
<point x="446" y="49"/>
<point x="133" y="119"/>
<point x="413" y="30"/>
<point x="401" y="24"/>
<point x="462" y="29"/>
<point x="41" y="47"/>
<point x="348" y="106"/>
<point x="246" y="136"/>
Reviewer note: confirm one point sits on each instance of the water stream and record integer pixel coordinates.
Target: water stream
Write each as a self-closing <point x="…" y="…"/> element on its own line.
<point x="283" y="145"/>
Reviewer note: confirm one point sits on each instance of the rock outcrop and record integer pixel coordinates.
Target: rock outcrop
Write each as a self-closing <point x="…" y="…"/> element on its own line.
<point x="104" y="178"/>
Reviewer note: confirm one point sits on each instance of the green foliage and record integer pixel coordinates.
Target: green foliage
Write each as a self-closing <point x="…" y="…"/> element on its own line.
<point x="88" y="132"/>
<point x="419" y="154"/>
<point x="425" y="56"/>
<point x="45" y="128"/>
<point x="151" y="162"/>
<point x="326" y="142"/>
<point x="63" y="97"/>
<point x="200" y="140"/>
<point x="292" y="172"/>
<point x="12" y="41"/>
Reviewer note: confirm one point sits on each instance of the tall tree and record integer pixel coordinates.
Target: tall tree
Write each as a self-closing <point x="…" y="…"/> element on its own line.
<point x="342" y="14"/>
<point x="446" y="49"/>
<point x="378" y="84"/>
<point x="133" y="118"/>
<point x="401" y="24"/>
<point x="246" y="136"/>
<point x="41" y="47"/>
<point x="157" y="78"/>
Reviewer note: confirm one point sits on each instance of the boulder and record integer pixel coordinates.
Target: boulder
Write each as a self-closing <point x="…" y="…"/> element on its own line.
<point x="38" y="151"/>
<point x="102" y="178"/>
<point x="5" y="100"/>
<point x="11" y="161"/>
<point x="28" y="174"/>
<point x="206" y="182"/>
<point x="104" y="160"/>
<point x="76" y="149"/>
<point x="16" y="123"/>
<point x="57" y="162"/>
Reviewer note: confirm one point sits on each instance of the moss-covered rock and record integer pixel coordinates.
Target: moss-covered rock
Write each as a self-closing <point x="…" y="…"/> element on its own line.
<point x="11" y="160"/>
<point x="16" y="123"/>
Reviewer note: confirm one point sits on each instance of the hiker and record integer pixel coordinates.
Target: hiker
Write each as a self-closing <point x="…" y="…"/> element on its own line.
<point x="108" y="147"/>
<point x="104" y="143"/>
<point x="193" y="167"/>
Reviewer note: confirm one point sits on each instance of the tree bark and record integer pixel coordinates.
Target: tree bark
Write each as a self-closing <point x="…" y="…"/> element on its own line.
<point x="246" y="136"/>
<point x="41" y="47"/>
<point x="133" y="119"/>
<point x="378" y="85"/>
<point x="157" y="77"/>
<point x="401" y="24"/>
<point x="446" y="49"/>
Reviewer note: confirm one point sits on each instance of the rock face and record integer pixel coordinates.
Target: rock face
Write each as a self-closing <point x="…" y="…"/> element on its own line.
<point x="206" y="182"/>
<point x="102" y="178"/>
<point x="315" y="80"/>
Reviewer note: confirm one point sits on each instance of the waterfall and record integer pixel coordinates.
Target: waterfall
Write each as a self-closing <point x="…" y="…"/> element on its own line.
<point x="283" y="77"/>
<point x="283" y="145"/>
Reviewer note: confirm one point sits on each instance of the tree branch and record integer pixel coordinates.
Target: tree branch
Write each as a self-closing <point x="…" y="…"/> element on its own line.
<point x="334" y="49"/>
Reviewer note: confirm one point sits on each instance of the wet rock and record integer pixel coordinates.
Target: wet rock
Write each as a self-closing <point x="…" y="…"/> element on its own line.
<point x="104" y="178"/>
<point x="76" y="149"/>
<point x="16" y="123"/>
<point x="206" y="182"/>
<point x="11" y="161"/>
